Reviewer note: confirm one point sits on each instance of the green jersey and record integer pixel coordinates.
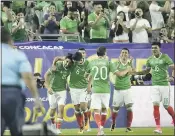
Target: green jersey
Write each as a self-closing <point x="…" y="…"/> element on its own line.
<point x="99" y="69"/>
<point x="58" y="78"/>
<point x="159" y="68"/>
<point x="100" y="30"/>
<point x="124" y="82"/>
<point x="77" y="79"/>
<point x="71" y="26"/>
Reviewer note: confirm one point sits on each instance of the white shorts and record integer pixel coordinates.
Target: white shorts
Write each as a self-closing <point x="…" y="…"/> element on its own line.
<point x="100" y="100"/>
<point x="78" y="96"/>
<point x="160" y="93"/>
<point x="58" y="98"/>
<point x="121" y="97"/>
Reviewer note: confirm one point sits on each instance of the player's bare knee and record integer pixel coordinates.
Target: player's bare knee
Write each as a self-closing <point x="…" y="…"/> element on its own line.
<point x="83" y="106"/>
<point x="166" y="106"/>
<point x="77" y="107"/>
<point x="52" y="111"/>
<point x="129" y="107"/>
<point x="116" y="109"/>
<point x="103" y="110"/>
<point x="156" y="103"/>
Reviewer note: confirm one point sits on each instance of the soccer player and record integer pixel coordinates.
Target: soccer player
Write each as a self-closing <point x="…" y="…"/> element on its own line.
<point x="78" y="85"/>
<point x="158" y="64"/>
<point x="122" y="92"/>
<point x="98" y="70"/>
<point x="56" y="83"/>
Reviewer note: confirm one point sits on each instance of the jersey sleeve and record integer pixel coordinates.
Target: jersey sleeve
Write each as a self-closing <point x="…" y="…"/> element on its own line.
<point x="148" y="63"/>
<point x="63" y="24"/>
<point x="88" y="68"/>
<point x="168" y="60"/>
<point x="90" y="19"/>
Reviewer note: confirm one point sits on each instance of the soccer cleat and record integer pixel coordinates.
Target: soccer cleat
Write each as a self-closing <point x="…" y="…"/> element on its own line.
<point x="58" y="131"/>
<point x="89" y="130"/>
<point x="158" y="131"/>
<point x="112" y="127"/>
<point x="81" y="131"/>
<point x="129" y="130"/>
<point x="53" y="126"/>
<point x="101" y="131"/>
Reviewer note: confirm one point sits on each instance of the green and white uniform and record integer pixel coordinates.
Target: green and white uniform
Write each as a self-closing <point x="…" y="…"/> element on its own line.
<point x="122" y="93"/>
<point x="58" y="81"/>
<point x="99" y="69"/>
<point x="78" y="83"/>
<point x="160" y="89"/>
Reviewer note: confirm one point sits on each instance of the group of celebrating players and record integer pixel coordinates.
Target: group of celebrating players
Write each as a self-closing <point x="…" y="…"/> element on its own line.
<point x="90" y="89"/>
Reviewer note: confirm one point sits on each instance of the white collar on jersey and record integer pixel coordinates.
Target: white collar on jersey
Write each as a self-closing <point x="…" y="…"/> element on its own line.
<point x="159" y="56"/>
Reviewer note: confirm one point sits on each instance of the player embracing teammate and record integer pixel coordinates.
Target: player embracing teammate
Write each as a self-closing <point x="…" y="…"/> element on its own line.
<point x="158" y="64"/>
<point x="78" y="85"/>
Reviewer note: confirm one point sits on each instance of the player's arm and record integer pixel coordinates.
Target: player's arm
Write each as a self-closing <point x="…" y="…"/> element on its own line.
<point x="90" y="79"/>
<point x="56" y="59"/>
<point x="47" y="77"/>
<point x="173" y="68"/>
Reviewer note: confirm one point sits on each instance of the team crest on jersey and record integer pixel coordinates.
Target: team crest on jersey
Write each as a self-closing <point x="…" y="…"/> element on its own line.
<point x="161" y="61"/>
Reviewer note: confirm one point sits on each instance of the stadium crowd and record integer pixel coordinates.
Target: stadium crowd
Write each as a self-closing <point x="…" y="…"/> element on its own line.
<point x="90" y="21"/>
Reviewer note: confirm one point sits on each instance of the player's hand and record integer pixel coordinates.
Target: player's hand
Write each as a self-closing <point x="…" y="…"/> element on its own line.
<point x="171" y="79"/>
<point x="50" y="91"/>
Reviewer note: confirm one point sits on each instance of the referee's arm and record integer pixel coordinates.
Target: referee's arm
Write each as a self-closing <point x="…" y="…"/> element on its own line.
<point x="25" y="71"/>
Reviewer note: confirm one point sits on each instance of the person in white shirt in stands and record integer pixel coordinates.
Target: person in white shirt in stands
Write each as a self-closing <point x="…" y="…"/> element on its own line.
<point x="122" y="7"/>
<point x="140" y="28"/>
<point x="157" y="18"/>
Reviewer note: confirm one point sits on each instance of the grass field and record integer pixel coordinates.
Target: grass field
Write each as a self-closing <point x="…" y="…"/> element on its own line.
<point x="119" y="131"/>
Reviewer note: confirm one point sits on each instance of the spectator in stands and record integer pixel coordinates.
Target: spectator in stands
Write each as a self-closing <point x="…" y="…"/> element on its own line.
<point x="126" y="9"/>
<point x="171" y="25"/>
<point x="99" y="23"/>
<point x="139" y="28"/>
<point x="164" y="36"/>
<point x="6" y="16"/>
<point x="120" y="29"/>
<point x="19" y="28"/>
<point x="69" y="25"/>
<point x="51" y="22"/>
<point x="157" y="18"/>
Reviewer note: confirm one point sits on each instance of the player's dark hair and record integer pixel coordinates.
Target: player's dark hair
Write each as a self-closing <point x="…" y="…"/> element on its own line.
<point x="126" y="49"/>
<point x="77" y="56"/>
<point x="81" y="49"/>
<point x="156" y="43"/>
<point x="96" y="3"/>
<point x="5" y="35"/>
<point x="101" y="51"/>
<point x="37" y="74"/>
<point x="69" y="56"/>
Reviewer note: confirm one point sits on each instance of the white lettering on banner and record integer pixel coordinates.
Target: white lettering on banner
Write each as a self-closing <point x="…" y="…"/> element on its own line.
<point x="49" y="47"/>
<point x="143" y="108"/>
<point x="43" y="99"/>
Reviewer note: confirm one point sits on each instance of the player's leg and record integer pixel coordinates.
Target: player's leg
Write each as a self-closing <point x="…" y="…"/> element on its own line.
<point x="165" y="91"/>
<point x="105" y="98"/>
<point x="118" y="101"/>
<point x="89" y="114"/>
<point x="156" y="97"/>
<point x="75" y="96"/>
<point x="84" y="108"/>
<point x="96" y="106"/>
<point x="61" y="100"/>
<point x="53" y="105"/>
<point x="128" y="103"/>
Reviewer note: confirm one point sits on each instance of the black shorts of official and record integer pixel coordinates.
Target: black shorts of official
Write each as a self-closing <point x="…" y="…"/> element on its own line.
<point x="12" y="109"/>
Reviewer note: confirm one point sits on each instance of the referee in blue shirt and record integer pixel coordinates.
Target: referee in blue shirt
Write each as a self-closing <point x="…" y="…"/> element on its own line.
<point x="15" y="67"/>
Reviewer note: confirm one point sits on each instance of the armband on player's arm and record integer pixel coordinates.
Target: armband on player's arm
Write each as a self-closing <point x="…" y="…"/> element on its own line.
<point x="144" y="72"/>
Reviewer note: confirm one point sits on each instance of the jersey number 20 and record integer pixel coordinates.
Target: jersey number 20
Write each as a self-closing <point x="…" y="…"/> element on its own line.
<point x="100" y="73"/>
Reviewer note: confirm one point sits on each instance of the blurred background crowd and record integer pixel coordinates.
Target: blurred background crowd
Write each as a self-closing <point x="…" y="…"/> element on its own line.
<point x="90" y="21"/>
